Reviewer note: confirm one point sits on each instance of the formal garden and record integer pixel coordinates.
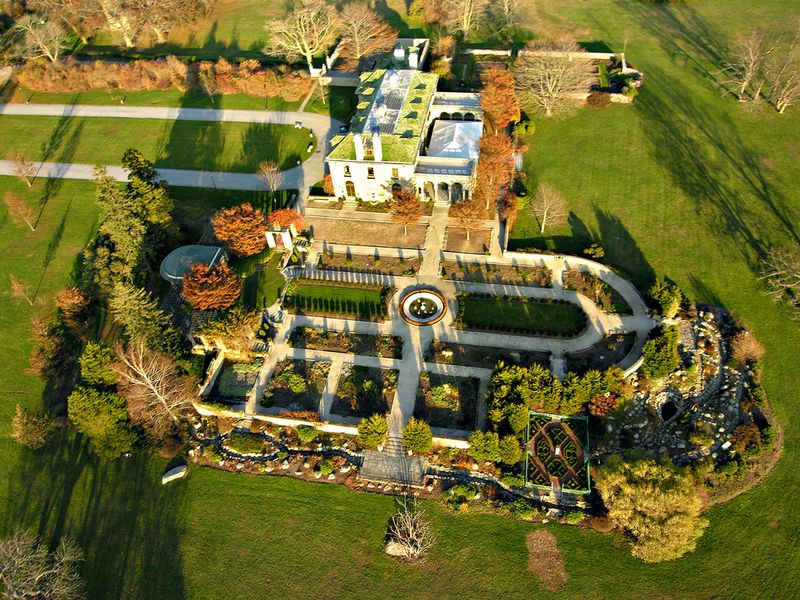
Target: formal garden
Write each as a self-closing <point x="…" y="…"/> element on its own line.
<point x="699" y="187"/>
<point x="296" y="385"/>
<point x="364" y="391"/>
<point x="519" y="314"/>
<point x="341" y="341"/>
<point x="312" y="297"/>
<point x="447" y="401"/>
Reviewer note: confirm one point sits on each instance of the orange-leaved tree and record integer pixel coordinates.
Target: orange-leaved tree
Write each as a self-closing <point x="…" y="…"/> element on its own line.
<point x="499" y="98"/>
<point x="495" y="168"/>
<point x="469" y="215"/>
<point x="285" y="217"/>
<point x="211" y="287"/>
<point x="405" y="208"/>
<point x="509" y="207"/>
<point x="241" y="228"/>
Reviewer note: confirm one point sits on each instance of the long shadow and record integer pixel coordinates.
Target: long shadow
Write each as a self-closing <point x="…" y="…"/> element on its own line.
<point x="124" y="520"/>
<point x="53" y="184"/>
<point x="621" y="250"/>
<point x="706" y="157"/>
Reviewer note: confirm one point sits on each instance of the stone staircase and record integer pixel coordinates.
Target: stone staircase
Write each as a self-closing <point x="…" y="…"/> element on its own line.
<point x="393" y="464"/>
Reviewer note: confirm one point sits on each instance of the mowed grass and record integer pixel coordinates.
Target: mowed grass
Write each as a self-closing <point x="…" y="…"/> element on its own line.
<point x="207" y="146"/>
<point x="683" y="183"/>
<point x="513" y="315"/>
<point x="335" y="299"/>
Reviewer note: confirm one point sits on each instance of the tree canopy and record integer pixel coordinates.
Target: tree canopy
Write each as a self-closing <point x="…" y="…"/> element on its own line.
<point x="103" y="417"/>
<point x="241" y="228"/>
<point x="211" y="287"/>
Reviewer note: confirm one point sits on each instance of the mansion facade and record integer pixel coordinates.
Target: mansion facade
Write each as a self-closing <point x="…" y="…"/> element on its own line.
<point x="406" y="134"/>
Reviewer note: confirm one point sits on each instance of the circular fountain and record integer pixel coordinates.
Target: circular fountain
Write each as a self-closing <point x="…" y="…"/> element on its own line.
<point x="423" y="307"/>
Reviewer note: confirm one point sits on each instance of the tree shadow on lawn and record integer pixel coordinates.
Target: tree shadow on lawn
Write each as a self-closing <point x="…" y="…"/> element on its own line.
<point x="123" y="519"/>
<point x="706" y="157"/>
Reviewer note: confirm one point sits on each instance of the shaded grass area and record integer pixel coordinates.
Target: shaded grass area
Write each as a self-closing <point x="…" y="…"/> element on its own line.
<point x="207" y="146"/>
<point x="317" y="297"/>
<point x="263" y="285"/>
<point x="512" y="314"/>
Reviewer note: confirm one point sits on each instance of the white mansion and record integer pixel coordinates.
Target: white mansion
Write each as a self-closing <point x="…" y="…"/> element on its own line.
<point x="406" y="134"/>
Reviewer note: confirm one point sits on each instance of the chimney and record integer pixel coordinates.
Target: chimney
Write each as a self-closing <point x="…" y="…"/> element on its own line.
<point x="413" y="58"/>
<point x="359" y="144"/>
<point x="377" y="148"/>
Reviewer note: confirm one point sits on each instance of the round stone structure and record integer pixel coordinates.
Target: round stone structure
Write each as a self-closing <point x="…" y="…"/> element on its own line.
<point x="423" y="307"/>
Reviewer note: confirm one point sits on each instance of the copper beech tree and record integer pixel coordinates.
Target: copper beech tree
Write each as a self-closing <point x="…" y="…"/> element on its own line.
<point x="499" y="98"/>
<point x="495" y="168"/>
<point x="241" y="228"/>
<point x="211" y="287"/>
<point x="405" y="208"/>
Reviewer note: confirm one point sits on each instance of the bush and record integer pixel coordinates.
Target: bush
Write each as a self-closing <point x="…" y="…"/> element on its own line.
<point x="509" y="451"/>
<point x="307" y="434"/>
<point x="484" y="446"/>
<point x="103" y="417"/>
<point x="461" y="493"/>
<point x="598" y="100"/>
<point x="666" y="296"/>
<point x="417" y="436"/>
<point x="95" y="361"/>
<point x="245" y="443"/>
<point x="660" y="353"/>
<point x="602" y="405"/>
<point x="31" y="429"/>
<point x="573" y="517"/>
<point x="372" y="431"/>
<point x="746" y="349"/>
<point x="326" y="467"/>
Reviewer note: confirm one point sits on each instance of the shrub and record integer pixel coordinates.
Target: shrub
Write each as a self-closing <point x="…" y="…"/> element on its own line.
<point x="602" y="405"/>
<point x="461" y="493"/>
<point x="417" y="436"/>
<point x="660" y="353"/>
<point x="103" y="417"/>
<point x="245" y="443"/>
<point x="701" y="438"/>
<point x="746" y="436"/>
<point x="410" y="532"/>
<point x="746" y="349"/>
<point x="573" y="517"/>
<point x="484" y="446"/>
<point x="31" y="429"/>
<point x="307" y="434"/>
<point x="372" y="431"/>
<point x="445" y="396"/>
<point x="326" y="467"/>
<point x="598" y="100"/>
<point x="509" y="451"/>
<point x="95" y="365"/>
<point x="666" y="296"/>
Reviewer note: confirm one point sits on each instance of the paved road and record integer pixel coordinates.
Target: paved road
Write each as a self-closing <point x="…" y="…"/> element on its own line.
<point x="300" y="177"/>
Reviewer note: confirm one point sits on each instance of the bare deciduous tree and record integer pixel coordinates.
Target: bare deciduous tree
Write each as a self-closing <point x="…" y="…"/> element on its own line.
<point x="364" y="33"/>
<point x="549" y="207"/>
<point x="20" y="289"/>
<point x="156" y="395"/>
<point x="81" y="16"/>
<point x="504" y="15"/>
<point x="29" y="570"/>
<point x="24" y="169"/>
<point x="40" y="38"/>
<point x="784" y="72"/>
<point x="207" y="79"/>
<point x="271" y="173"/>
<point x="551" y="75"/>
<point x="782" y="275"/>
<point x="465" y="16"/>
<point x="746" y="65"/>
<point x="19" y="211"/>
<point x="410" y="533"/>
<point x="310" y="27"/>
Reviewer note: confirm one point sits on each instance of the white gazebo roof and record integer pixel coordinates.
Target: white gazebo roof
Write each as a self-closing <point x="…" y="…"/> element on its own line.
<point x="455" y="139"/>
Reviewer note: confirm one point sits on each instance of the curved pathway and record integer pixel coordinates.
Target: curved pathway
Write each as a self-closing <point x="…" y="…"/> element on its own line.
<point x="300" y="177"/>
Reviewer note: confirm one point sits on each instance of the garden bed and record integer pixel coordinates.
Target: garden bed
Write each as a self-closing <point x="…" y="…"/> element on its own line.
<point x="332" y="204"/>
<point x="557" y="453"/>
<point x="515" y="314"/>
<point x="235" y="381"/>
<point x="296" y="385"/>
<point x="340" y="341"/>
<point x="450" y="353"/>
<point x="366" y="233"/>
<point x="323" y="298"/>
<point x="606" y="353"/>
<point x="478" y="242"/>
<point x="383" y="207"/>
<point x="502" y="274"/>
<point x="597" y="290"/>
<point x="447" y="401"/>
<point x="364" y="391"/>
<point x="370" y="263"/>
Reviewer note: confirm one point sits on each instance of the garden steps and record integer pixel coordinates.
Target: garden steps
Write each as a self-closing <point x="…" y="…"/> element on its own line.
<point x="393" y="464"/>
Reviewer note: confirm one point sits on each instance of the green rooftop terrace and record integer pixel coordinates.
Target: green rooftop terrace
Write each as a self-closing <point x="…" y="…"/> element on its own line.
<point x="402" y="142"/>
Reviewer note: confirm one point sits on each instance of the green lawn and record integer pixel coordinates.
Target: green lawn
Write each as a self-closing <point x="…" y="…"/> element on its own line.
<point x="263" y="286"/>
<point x="207" y="146"/>
<point x="335" y="299"/>
<point x="512" y="315"/>
<point x="683" y="183"/>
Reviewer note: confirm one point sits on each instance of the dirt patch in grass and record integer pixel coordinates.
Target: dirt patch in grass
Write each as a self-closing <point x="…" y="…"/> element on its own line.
<point x="366" y="233"/>
<point x="546" y="561"/>
<point x="478" y="242"/>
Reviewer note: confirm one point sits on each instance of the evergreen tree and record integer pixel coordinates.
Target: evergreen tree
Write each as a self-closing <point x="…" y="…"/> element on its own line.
<point x="103" y="417"/>
<point x="136" y="310"/>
